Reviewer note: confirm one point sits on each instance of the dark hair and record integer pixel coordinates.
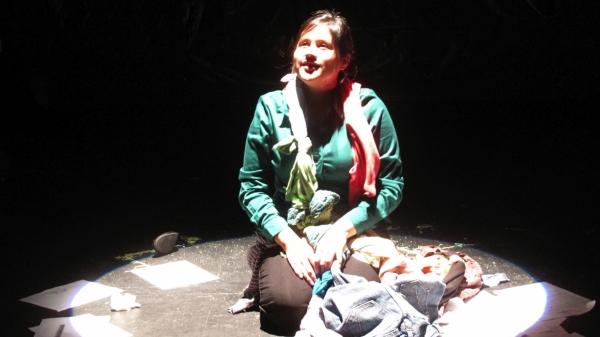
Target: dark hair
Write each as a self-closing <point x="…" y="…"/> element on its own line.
<point x="340" y="30"/>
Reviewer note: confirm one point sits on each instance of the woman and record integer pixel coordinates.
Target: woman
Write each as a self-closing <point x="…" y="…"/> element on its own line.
<point x="340" y="138"/>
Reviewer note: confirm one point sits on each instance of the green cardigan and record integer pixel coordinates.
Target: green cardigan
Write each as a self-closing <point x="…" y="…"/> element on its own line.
<point x="265" y="171"/>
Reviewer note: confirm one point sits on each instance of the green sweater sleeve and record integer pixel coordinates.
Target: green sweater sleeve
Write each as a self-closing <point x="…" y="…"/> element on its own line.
<point x="390" y="181"/>
<point x="257" y="173"/>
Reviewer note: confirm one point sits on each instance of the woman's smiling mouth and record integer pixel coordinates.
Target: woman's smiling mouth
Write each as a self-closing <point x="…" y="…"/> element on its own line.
<point x="310" y="67"/>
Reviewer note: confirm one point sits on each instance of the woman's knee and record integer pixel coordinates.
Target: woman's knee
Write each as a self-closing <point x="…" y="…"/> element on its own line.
<point x="283" y="296"/>
<point x="280" y="288"/>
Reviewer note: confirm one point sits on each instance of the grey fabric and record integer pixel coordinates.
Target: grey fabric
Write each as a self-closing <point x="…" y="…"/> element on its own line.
<point x="399" y="306"/>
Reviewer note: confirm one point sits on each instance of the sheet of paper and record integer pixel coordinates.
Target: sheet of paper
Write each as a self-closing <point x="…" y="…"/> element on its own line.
<point x="62" y="320"/>
<point x="71" y="295"/>
<point x="79" y="326"/>
<point x="174" y="274"/>
<point x="489" y="315"/>
<point x="516" y="311"/>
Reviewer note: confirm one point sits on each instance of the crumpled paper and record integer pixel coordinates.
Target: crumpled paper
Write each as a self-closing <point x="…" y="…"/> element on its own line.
<point x="121" y="302"/>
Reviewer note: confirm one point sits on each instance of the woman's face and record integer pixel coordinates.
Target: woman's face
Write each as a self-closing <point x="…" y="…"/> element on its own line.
<point x="316" y="61"/>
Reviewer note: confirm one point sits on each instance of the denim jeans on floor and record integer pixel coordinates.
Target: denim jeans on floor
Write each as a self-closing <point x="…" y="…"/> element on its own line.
<point x="355" y="307"/>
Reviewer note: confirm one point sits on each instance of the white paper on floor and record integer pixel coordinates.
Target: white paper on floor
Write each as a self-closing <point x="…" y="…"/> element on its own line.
<point x="71" y="295"/>
<point x="174" y="274"/>
<point x="86" y="325"/>
<point x="530" y="310"/>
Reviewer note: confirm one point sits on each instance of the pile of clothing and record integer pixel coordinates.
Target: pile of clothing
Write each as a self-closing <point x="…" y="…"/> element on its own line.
<point x="409" y="300"/>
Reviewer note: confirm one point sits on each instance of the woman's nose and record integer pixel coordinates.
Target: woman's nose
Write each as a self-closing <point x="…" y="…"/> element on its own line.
<point x="311" y="50"/>
<point x="309" y="56"/>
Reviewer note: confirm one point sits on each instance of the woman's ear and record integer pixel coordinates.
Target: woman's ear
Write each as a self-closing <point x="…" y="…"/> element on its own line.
<point x="345" y="62"/>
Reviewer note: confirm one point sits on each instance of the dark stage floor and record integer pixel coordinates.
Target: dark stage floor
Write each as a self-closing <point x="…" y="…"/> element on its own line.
<point x="200" y="309"/>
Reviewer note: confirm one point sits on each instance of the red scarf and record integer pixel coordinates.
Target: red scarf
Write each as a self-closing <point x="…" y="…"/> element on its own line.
<point x="363" y="175"/>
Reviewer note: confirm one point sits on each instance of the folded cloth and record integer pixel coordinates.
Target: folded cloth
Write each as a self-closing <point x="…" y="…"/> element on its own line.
<point x="122" y="302"/>
<point x="322" y="284"/>
<point x="312" y="324"/>
<point x="303" y="176"/>
<point x="319" y="210"/>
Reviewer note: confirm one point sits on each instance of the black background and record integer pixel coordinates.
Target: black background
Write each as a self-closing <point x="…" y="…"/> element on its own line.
<point x="121" y="120"/>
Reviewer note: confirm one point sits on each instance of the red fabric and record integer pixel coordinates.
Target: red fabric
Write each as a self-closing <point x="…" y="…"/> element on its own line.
<point x="472" y="282"/>
<point x="363" y="175"/>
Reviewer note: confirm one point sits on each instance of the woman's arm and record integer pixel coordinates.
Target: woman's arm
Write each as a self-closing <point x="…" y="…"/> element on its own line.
<point x="257" y="178"/>
<point x="257" y="175"/>
<point x="390" y="181"/>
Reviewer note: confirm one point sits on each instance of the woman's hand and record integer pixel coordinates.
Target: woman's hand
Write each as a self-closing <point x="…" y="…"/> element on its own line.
<point x="330" y="249"/>
<point x="300" y="255"/>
